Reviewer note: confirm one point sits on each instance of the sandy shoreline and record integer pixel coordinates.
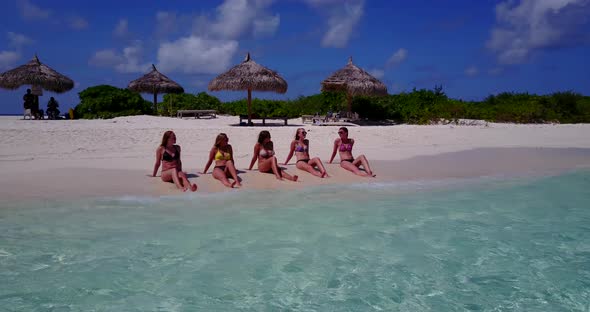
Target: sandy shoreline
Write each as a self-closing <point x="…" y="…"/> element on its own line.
<point x="95" y="158"/>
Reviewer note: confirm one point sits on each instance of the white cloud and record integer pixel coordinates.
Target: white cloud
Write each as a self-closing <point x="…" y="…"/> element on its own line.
<point x="266" y="26"/>
<point x="377" y="73"/>
<point x="399" y="56"/>
<point x="196" y="55"/>
<point x="128" y="61"/>
<point x="105" y="58"/>
<point x="78" y="23"/>
<point x="341" y="22"/>
<point x="122" y="28"/>
<point x="235" y="18"/>
<point x="532" y="25"/>
<point x="31" y="11"/>
<point x="8" y="59"/>
<point x="18" y="40"/>
<point x="471" y="71"/>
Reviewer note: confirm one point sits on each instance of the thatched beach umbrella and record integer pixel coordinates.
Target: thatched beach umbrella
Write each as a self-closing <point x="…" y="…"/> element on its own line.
<point x="354" y="81"/>
<point x="250" y="76"/>
<point x="155" y="82"/>
<point x="37" y="74"/>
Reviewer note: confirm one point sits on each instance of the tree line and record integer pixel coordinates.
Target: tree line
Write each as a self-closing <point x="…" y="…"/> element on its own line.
<point x="419" y="106"/>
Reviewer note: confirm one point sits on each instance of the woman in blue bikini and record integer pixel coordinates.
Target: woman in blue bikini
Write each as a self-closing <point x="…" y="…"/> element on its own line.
<point x="168" y="155"/>
<point x="300" y="147"/>
<point x="343" y="145"/>
<point x="223" y="155"/>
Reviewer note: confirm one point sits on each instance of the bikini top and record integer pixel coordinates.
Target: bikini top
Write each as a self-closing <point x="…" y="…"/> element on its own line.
<point x="167" y="157"/>
<point x="221" y="155"/>
<point x="266" y="153"/>
<point x="346" y="147"/>
<point x="301" y="148"/>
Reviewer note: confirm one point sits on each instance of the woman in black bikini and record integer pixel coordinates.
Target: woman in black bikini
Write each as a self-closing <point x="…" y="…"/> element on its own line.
<point x="344" y="145"/>
<point x="168" y="154"/>
<point x="267" y="162"/>
<point x="223" y="155"/>
<point x="300" y="147"/>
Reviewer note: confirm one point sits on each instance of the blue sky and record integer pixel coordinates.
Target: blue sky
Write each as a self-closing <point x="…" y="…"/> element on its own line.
<point x="472" y="48"/>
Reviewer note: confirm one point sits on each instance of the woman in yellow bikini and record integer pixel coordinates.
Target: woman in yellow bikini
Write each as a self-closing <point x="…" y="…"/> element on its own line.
<point x="300" y="147"/>
<point x="267" y="162"/>
<point x="223" y="155"/>
<point x="343" y="145"/>
<point x="168" y="155"/>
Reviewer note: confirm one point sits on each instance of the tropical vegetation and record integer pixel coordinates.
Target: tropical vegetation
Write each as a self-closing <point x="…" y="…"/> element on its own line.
<point x="416" y="107"/>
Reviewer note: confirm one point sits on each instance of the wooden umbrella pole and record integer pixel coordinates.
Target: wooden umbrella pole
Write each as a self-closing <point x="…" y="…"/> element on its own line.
<point x="349" y="100"/>
<point x="249" y="107"/>
<point x="156" y="103"/>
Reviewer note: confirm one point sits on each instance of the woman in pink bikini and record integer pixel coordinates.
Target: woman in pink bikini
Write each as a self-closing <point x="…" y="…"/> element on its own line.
<point x="267" y="162"/>
<point x="300" y="147"/>
<point x="223" y="155"/>
<point x="343" y="145"/>
<point x="168" y="155"/>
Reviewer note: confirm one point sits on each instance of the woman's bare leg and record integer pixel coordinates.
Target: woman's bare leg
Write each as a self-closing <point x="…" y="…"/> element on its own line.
<point x="318" y="162"/>
<point x="186" y="182"/>
<point x="231" y="169"/>
<point x="288" y="176"/>
<point x="171" y="175"/>
<point x="308" y="167"/>
<point x="275" y="167"/>
<point x="362" y="160"/>
<point x="221" y="176"/>
<point x="354" y="169"/>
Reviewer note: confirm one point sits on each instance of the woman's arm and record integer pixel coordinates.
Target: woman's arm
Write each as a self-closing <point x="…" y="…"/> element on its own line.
<point x="211" y="156"/>
<point x="255" y="156"/>
<point x="158" y="160"/>
<point x="231" y="153"/>
<point x="335" y="150"/>
<point x="179" y="161"/>
<point x="293" y="143"/>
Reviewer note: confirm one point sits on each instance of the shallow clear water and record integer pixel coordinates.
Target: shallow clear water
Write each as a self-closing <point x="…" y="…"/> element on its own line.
<point x="473" y="245"/>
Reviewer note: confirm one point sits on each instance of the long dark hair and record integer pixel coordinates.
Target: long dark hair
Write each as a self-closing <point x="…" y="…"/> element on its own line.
<point x="165" y="138"/>
<point x="263" y="135"/>
<point x="220" y="137"/>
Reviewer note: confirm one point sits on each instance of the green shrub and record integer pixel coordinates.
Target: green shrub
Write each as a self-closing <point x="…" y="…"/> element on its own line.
<point x="106" y="101"/>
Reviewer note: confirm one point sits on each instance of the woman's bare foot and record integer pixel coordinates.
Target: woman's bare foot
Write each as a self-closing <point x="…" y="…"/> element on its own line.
<point x="233" y="184"/>
<point x="237" y="184"/>
<point x="324" y="174"/>
<point x="295" y="177"/>
<point x="194" y="187"/>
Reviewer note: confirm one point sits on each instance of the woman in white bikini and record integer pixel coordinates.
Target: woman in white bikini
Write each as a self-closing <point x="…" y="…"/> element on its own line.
<point x="267" y="162"/>
<point x="223" y="155"/>
<point x="300" y="147"/>
<point x="343" y="145"/>
<point x="168" y="155"/>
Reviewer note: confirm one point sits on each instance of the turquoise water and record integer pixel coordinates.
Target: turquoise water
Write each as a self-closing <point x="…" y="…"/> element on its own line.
<point x="472" y="245"/>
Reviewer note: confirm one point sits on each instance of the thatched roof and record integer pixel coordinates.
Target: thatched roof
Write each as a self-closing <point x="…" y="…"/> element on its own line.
<point x="355" y="81"/>
<point x="249" y="75"/>
<point x="155" y="82"/>
<point x="36" y="73"/>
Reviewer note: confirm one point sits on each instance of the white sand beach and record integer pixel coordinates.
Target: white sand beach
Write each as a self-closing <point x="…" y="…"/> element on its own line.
<point x="85" y="158"/>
